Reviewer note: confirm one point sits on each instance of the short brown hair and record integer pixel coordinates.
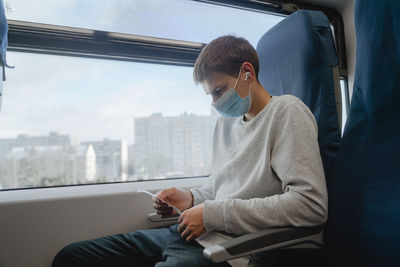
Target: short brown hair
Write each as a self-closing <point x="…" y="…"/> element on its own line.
<point x="224" y="55"/>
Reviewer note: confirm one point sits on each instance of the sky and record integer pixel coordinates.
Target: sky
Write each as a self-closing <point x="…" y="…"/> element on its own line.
<point x="92" y="99"/>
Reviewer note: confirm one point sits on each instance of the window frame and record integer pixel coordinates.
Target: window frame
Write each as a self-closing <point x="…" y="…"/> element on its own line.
<point x="30" y="37"/>
<point x="33" y="37"/>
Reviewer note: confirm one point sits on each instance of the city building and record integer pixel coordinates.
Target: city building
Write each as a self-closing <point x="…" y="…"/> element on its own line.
<point x="172" y="146"/>
<point x="37" y="166"/>
<point x="85" y="164"/>
<point x="53" y="139"/>
<point x="45" y="160"/>
<point x="111" y="159"/>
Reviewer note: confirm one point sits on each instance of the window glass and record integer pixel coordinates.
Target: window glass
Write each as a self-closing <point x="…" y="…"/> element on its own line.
<point x="173" y="19"/>
<point x="69" y="120"/>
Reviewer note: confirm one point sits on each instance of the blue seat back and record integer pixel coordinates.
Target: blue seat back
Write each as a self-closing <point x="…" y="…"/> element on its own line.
<point x="3" y="45"/>
<point x="296" y="57"/>
<point x="3" y="35"/>
<point x="364" y="197"/>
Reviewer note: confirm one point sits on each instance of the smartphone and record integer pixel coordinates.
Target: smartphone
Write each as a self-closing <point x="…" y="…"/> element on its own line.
<point x="169" y="204"/>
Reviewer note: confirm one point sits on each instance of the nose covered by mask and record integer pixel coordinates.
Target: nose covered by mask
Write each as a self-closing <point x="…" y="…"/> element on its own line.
<point x="230" y="104"/>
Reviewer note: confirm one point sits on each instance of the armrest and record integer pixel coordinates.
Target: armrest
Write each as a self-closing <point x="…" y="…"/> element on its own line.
<point x="154" y="217"/>
<point x="264" y="240"/>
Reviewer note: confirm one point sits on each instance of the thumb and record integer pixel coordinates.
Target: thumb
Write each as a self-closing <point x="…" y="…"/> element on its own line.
<point x="163" y="194"/>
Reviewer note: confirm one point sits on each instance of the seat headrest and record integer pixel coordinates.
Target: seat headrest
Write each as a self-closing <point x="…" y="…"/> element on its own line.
<point x="294" y="53"/>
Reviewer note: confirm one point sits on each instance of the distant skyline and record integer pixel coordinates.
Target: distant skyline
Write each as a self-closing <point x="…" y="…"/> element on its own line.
<point x="92" y="99"/>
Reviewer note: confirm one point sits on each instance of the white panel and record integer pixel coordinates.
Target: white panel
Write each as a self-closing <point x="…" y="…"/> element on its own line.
<point x="350" y="37"/>
<point x="35" y="224"/>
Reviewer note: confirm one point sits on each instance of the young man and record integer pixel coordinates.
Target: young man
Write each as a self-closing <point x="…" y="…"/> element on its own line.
<point x="266" y="172"/>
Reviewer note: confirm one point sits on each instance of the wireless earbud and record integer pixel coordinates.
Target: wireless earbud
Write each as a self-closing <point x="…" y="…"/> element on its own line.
<point x="247" y="76"/>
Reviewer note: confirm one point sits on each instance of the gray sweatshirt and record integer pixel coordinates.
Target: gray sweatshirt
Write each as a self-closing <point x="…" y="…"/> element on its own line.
<point x="266" y="172"/>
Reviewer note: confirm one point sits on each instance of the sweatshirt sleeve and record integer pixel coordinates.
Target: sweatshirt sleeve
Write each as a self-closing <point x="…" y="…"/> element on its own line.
<point x="296" y="160"/>
<point x="203" y="193"/>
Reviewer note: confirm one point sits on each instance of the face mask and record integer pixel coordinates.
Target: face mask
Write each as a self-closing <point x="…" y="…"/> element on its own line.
<point x="231" y="104"/>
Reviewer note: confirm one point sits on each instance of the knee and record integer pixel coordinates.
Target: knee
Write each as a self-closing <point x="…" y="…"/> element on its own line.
<point x="65" y="257"/>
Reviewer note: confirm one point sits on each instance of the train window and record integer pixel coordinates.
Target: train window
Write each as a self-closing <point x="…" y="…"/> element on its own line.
<point x="172" y="19"/>
<point x="111" y="99"/>
<point x="70" y="120"/>
<point x="82" y="119"/>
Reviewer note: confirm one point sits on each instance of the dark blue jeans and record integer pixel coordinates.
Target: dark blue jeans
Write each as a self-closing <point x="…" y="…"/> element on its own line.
<point x="150" y="247"/>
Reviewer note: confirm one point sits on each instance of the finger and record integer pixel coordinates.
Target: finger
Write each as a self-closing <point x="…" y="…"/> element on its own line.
<point x="167" y="214"/>
<point x="162" y="194"/>
<point x="181" y="227"/>
<point x="191" y="237"/>
<point x="182" y="216"/>
<point x="180" y="219"/>
<point x="160" y="207"/>
<point x="159" y="202"/>
<point x="186" y="232"/>
<point x="163" y="211"/>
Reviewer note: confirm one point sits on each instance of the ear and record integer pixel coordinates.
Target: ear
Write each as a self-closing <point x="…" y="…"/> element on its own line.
<point x="247" y="67"/>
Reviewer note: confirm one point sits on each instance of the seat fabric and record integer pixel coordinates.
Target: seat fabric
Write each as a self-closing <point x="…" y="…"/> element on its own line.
<point x="364" y="196"/>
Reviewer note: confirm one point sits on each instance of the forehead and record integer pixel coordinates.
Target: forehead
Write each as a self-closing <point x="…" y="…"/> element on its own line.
<point x="214" y="81"/>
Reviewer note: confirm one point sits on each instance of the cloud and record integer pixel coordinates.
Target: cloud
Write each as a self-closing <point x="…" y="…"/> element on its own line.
<point x="92" y="99"/>
<point x="95" y="99"/>
<point x="44" y="11"/>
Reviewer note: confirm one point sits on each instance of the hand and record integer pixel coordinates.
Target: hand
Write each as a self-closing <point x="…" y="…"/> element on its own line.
<point x="182" y="199"/>
<point x="191" y="223"/>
